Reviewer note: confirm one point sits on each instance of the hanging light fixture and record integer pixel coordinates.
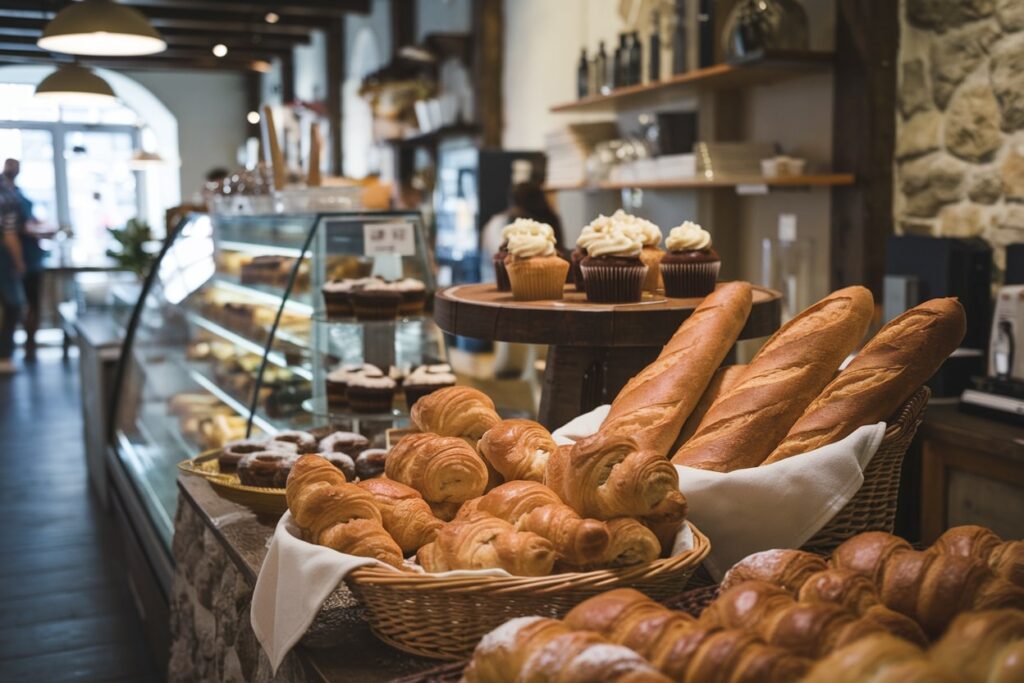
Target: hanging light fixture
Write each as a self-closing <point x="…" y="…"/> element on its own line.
<point x="143" y="161"/>
<point x="74" y="83"/>
<point x="101" y="27"/>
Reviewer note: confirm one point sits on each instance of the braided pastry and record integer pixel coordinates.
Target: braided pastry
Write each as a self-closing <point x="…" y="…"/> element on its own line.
<point x="983" y="647"/>
<point x="786" y="568"/>
<point x="879" y="658"/>
<point x="404" y="513"/>
<point x="518" y="449"/>
<point x="482" y="541"/>
<point x="443" y="469"/>
<point x="1006" y="558"/>
<point x="455" y="411"/>
<point x="608" y="476"/>
<point x="336" y="514"/>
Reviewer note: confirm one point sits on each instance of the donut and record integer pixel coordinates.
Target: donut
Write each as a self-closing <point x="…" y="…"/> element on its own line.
<point x="234" y="451"/>
<point x="266" y="468"/>
<point x="343" y="462"/>
<point x="305" y="441"/>
<point x="348" y="443"/>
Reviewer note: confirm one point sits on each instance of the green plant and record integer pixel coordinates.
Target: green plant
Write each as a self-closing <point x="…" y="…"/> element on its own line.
<point x="134" y="250"/>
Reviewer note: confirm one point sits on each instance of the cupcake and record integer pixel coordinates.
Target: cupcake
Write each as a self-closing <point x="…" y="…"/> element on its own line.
<point x="535" y="269"/>
<point x="690" y="268"/>
<point x="377" y="300"/>
<point x="337" y="385"/>
<point x="370" y="391"/>
<point x="520" y="226"/>
<point x="612" y="270"/>
<point x="590" y="232"/>
<point x="414" y="296"/>
<point x="426" y="379"/>
<point x="336" y="298"/>
<point x="649" y="236"/>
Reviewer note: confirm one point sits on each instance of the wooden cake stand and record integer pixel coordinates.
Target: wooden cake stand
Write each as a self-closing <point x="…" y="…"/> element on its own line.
<point x="593" y="348"/>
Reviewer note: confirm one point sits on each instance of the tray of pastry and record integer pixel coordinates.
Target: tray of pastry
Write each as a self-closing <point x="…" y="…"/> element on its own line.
<point x="260" y="499"/>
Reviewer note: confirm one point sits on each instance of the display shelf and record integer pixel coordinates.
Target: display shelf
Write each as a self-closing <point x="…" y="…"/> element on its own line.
<point x="227" y="399"/>
<point x="260" y="249"/>
<point x="265" y="294"/>
<point x="761" y="68"/>
<point x="333" y="415"/>
<point x="798" y="181"/>
<point x="275" y="357"/>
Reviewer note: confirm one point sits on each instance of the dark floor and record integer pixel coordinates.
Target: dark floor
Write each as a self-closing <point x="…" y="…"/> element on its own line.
<point x="66" y="613"/>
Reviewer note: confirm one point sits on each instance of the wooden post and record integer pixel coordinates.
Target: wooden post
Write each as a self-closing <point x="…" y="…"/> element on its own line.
<point x="864" y="130"/>
<point x="335" y="75"/>
<point x="488" y="42"/>
<point x="313" y="174"/>
<point x="271" y="145"/>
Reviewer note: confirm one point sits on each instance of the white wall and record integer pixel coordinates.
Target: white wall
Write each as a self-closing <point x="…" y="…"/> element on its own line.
<point x="210" y="107"/>
<point x="443" y="16"/>
<point x="311" y="68"/>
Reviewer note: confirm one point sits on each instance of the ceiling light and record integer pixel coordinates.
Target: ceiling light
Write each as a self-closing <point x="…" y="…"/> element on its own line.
<point x="142" y="160"/>
<point x="220" y="49"/>
<point x="73" y="83"/>
<point x="253" y="117"/>
<point x="101" y="28"/>
<point x="272" y="17"/>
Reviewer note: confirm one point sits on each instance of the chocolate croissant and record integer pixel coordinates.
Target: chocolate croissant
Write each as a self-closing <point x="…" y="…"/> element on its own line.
<point x="443" y="469"/>
<point x="518" y="449"/>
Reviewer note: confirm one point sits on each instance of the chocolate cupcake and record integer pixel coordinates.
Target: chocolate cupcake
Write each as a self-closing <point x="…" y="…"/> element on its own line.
<point x="336" y="298"/>
<point x="649" y="235"/>
<point x="370" y="463"/>
<point x="500" y="274"/>
<point x="371" y="391"/>
<point x="426" y="379"/>
<point x="337" y="384"/>
<point x="376" y="301"/>
<point x="414" y="296"/>
<point x="612" y="271"/>
<point x="690" y="268"/>
<point x="590" y="232"/>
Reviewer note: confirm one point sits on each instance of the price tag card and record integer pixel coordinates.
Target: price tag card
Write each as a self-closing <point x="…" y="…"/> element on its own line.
<point x="389" y="238"/>
<point x="748" y="189"/>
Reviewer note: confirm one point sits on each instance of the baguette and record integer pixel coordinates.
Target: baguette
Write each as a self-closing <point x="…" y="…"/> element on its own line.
<point x="745" y="424"/>
<point x="723" y="380"/>
<point x="653" y="405"/>
<point x="887" y="372"/>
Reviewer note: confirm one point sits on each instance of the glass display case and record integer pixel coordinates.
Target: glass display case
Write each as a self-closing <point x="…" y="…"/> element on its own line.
<point x="231" y="337"/>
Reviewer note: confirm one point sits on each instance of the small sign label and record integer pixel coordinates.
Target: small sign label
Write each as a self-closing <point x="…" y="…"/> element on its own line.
<point x="389" y="238"/>
<point x="751" y="189"/>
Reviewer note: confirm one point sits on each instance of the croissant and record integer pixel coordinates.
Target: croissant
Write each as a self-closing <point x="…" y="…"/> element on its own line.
<point x="631" y="543"/>
<point x="482" y="541"/>
<point x="1006" y="558"/>
<point x="445" y="512"/>
<point x="678" y="646"/>
<point x="404" y="513"/>
<point x="443" y="469"/>
<point x="340" y="516"/>
<point x="930" y="588"/>
<point x="608" y="476"/>
<point x="518" y="449"/>
<point x="879" y="658"/>
<point x="806" y="629"/>
<point x="665" y="531"/>
<point x="531" y="506"/>
<point x="455" y="411"/>
<point x="585" y="657"/>
<point x="983" y="647"/>
<point x="501" y="654"/>
<point x="786" y="568"/>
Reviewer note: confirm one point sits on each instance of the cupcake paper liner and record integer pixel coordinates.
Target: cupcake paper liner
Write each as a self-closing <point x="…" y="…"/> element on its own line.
<point x="614" y="284"/>
<point x="538" y="283"/>
<point x="684" y="280"/>
<point x="501" y="276"/>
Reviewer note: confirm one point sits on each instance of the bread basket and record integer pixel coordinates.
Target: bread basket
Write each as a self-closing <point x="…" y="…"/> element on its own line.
<point x="444" y="618"/>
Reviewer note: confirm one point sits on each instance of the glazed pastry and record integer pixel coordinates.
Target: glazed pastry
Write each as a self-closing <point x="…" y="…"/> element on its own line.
<point x="304" y="441"/>
<point x="605" y="477"/>
<point x="501" y="654"/>
<point x="531" y="506"/>
<point x="445" y="512"/>
<point x="518" y="449"/>
<point x="233" y="451"/>
<point x="886" y="372"/>
<point x="789" y="371"/>
<point x="269" y="469"/>
<point x="336" y="514"/>
<point x="631" y="543"/>
<point x="1006" y="558"/>
<point x="443" y="469"/>
<point x="880" y="658"/>
<point x="349" y="443"/>
<point x="370" y="463"/>
<point x="455" y="411"/>
<point x="867" y="553"/>
<point x="787" y="568"/>
<point x="983" y="647"/>
<point x="653" y="405"/>
<point x="482" y="541"/>
<point x="404" y="513"/>
<point x="581" y="656"/>
<point x="628" y="617"/>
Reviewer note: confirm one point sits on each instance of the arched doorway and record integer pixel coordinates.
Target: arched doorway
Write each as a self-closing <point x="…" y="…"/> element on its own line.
<point x="362" y="156"/>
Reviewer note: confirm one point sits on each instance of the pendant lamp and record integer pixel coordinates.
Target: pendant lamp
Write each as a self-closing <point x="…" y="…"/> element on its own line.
<point x="101" y="28"/>
<point x="74" y="83"/>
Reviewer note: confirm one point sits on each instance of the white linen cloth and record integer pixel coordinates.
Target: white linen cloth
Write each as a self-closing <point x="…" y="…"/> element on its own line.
<point x="781" y="505"/>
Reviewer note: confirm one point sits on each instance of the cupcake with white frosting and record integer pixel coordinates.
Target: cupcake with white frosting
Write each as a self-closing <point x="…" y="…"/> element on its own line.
<point x="370" y="391"/>
<point x="588" y="235"/>
<point x="690" y="268"/>
<point x="650" y="237"/>
<point x="426" y="379"/>
<point x="520" y="226"/>
<point x="613" y="272"/>
<point x="535" y="270"/>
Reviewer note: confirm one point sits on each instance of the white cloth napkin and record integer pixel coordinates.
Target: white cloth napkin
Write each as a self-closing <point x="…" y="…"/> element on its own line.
<point x="781" y="505"/>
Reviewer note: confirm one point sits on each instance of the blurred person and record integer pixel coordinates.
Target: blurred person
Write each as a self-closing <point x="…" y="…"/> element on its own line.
<point x="12" y="269"/>
<point x="29" y="231"/>
<point x="525" y="200"/>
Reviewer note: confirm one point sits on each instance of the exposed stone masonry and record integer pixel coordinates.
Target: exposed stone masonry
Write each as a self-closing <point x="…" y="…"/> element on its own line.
<point x="960" y="120"/>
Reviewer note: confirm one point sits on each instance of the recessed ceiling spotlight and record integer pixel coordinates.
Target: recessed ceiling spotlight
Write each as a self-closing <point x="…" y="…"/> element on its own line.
<point x="253" y="117"/>
<point x="220" y="50"/>
<point x="272" y="17"/>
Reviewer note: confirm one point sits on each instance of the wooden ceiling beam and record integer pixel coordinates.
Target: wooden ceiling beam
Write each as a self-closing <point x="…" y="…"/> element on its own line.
<point x="194" y="30"/>
<point x="151" y="62"/>
<point x="209" y="10"/>
<point x="281" y="7"/>
<point x="194" y="21"/>
<point x="186" y="51"/>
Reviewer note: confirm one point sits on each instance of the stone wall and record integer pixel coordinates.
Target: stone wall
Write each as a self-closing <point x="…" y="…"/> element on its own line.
<point x="960" y="122"/>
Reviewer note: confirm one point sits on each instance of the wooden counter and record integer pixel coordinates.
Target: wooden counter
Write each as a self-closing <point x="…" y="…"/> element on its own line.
<point x="218" y="549"/>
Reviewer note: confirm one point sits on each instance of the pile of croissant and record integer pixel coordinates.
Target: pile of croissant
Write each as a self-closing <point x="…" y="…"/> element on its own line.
<point x="473" y="491"/>
<point x="877" y="611"/>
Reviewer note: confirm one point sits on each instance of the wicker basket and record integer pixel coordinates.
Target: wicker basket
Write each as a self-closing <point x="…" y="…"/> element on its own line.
<point x="444" y="618"/>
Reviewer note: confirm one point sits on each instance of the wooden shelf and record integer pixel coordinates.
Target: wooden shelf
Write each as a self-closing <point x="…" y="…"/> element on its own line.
<point x="816" y="180"/>
<point x="757" y="69"/>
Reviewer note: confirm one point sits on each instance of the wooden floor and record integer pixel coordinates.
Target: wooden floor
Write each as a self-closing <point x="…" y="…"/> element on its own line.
<point x="66" y="612"/>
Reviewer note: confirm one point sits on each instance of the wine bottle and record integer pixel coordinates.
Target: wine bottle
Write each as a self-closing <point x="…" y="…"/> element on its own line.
<point x="604" y="73"/>
<point x="621" y="65"/>
<point x="582" y="75"/>
<point x="654" y="51"/>
<point x="680" y="46"/>
<point x="636" y="59"/>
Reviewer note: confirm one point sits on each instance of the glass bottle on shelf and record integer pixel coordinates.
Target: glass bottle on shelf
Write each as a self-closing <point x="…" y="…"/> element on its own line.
<point x="604" y="69"/>
<point x="582" y="75"/>
<point x="680" y="44"/>
<point x="654" y="50"/>
<point x="621" y="62"/>
<point x="635" y="59"/>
